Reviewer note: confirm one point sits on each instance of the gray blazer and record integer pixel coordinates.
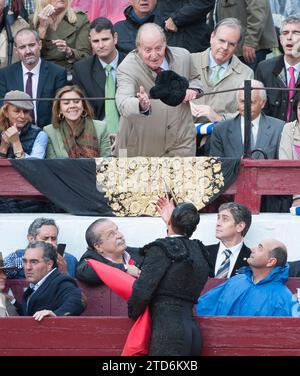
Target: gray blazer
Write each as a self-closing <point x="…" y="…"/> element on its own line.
<point x="226" y="138"/>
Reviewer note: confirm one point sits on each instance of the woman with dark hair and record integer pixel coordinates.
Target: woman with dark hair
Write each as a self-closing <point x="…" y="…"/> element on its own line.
<point x="174" y="272"/>
<point x="289" y="147"/>
<point x="73" y="132"/>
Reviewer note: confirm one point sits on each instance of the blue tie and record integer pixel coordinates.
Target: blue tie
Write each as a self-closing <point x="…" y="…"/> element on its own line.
<point x="224" y="267"/>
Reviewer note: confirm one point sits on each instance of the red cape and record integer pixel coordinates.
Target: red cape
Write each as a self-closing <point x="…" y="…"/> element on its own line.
<point x="138" y="339"/>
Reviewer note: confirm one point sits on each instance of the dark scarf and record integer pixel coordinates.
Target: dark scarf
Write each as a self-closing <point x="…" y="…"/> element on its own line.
<point x="81" y="142"/>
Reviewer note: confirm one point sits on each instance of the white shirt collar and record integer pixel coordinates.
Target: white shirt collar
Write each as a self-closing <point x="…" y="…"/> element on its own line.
<point x="213" y="63"/>
<point x="41" y="281"/>
<point x="35" y="70"/>
<point x="234" y="250"/>
<point x="255" y="127"/>
<point x="126" y="258"/>
<point x="113" y="63"/>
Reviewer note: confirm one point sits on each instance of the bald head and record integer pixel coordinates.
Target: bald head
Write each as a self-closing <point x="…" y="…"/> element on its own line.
<point x="268" y="254"/>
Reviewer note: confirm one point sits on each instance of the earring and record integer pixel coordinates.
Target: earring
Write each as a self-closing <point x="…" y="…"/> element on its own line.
<point x="84" y="114"/>
<point x="61" y="116"/>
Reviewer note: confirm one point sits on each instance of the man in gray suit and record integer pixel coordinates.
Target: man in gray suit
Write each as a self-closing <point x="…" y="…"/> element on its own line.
<point x="227" y="139"/>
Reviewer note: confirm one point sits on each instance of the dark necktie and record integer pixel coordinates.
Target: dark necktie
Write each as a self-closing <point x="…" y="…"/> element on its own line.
<point x="224" y="267"/>
<point x="252" y="138"/>
<point x="292" y="85"/>
<point x="158" y="70"/>
<point x="28" y="90"/>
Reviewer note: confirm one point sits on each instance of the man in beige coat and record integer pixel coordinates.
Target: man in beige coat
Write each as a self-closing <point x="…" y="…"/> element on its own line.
<point x="259" y="31"/>
<point x="232" y="73"/>
<point x="149" y="127"/>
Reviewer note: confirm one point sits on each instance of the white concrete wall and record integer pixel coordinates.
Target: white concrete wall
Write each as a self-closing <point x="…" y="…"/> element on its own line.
<point x="139" y="231"/>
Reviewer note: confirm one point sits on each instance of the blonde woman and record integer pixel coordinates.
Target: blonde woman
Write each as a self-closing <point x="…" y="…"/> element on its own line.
<point x="73" y="132"/>
<point x="63" y="31"/>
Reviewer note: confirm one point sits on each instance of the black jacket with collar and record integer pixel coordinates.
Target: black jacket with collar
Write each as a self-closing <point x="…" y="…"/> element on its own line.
<point x="213" y="253"/>
<point x="86" y="274"/>
<point x="58" y="293"/>
<point x="90" y="76"/>
<point x="271" y="73"/>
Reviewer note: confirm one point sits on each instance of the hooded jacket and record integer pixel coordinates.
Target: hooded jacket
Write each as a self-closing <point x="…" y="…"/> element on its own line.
<point x="240" y="296"/>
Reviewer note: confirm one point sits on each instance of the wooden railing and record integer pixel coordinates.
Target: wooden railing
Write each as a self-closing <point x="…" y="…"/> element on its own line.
<point x="105" y="336"/>
<point x="256" y="178"/>
<point x="103" y="328"/>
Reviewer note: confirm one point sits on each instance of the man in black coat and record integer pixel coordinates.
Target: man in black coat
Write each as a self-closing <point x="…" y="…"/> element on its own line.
<point x="50" y="293"/>
<point x="136" y="14"/>
<point x="184" y="22"/>
<point x="46" y="78"/>
<point x="278" y="71"/>
<point x="107" y="244"/>
<point x="90" y="73"/>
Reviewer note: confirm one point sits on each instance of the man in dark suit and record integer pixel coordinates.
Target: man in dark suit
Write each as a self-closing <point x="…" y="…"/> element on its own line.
<point x="233" y="223"/>
<point x="107" y="244"/>
<point x="91" y="73"/>
<point x="227" y="138"/>
<point x="283" y="71"/>
<point x="50" y="293"/>
<point x="45" y="78"/>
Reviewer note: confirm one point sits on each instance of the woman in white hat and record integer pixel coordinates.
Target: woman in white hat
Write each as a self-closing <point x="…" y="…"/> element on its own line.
<point x="19" y="137"/>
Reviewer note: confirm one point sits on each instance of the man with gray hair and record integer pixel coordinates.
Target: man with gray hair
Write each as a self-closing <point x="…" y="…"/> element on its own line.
<point x="106" y="244"/>
<point x="219" y="70"/>
<point x="46" y="230"/>
<point x="227" y="138"/>
<point x="149" y="127"/>
<point x="283" y="72"/>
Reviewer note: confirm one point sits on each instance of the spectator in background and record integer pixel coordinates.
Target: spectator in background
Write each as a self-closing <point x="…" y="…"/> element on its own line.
<point x="50" y="293"/>
<point x="289" y="147"/>
<point x="107" y="244"/>
<point x="96" y="75"/>
<point x="64" y="32"/>
<point x="227" y="139"/>
<point x="19" y="137"/>
<point x="46" y="78"/>
<point x="10" y="23"/>
<point x="283" y="72"/>
<point x="259" y="31"/>
<point x="45" y="230"/>
<point x="259" y="290"/>
<point x="219" y="70"/>
<point x="101" y="8"/>
<point x="185" y="23"/>
<point x="149" y="127"/>
<point x="6" y="306"/>
<point x="73" y="132"/>
<point x="136" y="14"/>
